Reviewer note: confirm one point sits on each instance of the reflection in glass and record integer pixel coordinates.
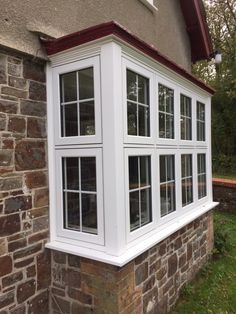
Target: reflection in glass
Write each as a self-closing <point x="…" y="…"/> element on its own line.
<point x="133" y="172"/>
<point x="68" y="87"/>
<point x="200" y="121"/>
<point x="201" y="171"/>
<point x="143" y="116"/>
<point x="71" y="210"/>
<point x="87" y="118"/>
<point x="166" y="112"/>
<point x="86" y="88"/>
<point x="89" y="213"/>
<point x="187" y="179"/>
<point x="69" y="125"/>
<point x="88" y="174"/>
<point x="185" y="117"/>
<point x="134" y="210"/>
<point x="145" y="206"/>
<point x="132" y="119"/>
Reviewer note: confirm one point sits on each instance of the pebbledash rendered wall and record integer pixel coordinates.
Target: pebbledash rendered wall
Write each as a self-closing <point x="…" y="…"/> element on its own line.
<point x="36" y="280"/>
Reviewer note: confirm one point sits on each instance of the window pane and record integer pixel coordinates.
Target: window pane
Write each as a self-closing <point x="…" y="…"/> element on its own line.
<point x="143" y="115"/>
<point x="132" y="119"/>
<point x="86" y="88"/>
<point x="166" y="116"/>
<point x="201" y="165"/>
<point x="170" y="168"/>
<point x="88" y="173"/>
<point x="162" y="168"/>
<point x="162" y="130"/>
<point x="71" y="203"/>
<point x="146" y="206"/>
<point x="133" y="173"/>
<point x="169" y="126"/>
<point x="200" y="121"/>
<point x="144" y="171"/>
<point x="131" y="85"/>
<point x="170" y="197"/>
<point x="87" y="118"/>
<point x="68" y="87"/>
<point x="187" y="181"/>
<point x="186" y="117"/>
<point x="163" y="200"/>
<point x="189" y="190"/>
<point x="143" y="90"/>
<point x="134" y="210"/>
<point x="69" y="120"/>
<point x="89" y="213"/>
<point x="70" y="166"/>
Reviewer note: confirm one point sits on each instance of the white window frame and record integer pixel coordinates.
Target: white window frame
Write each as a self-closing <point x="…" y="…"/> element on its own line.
<point x="197" y="120"/>
<point x="132" y="235"/>
<point x="71" y="67"/>
<point x="138" y="69"/>
<point x="206" y="197"/>
<point x="187" y="93"/>
<point x="73" y="234"/>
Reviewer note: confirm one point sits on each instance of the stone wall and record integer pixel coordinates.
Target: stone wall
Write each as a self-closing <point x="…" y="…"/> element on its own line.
<point x="148" y="284"/>
<point x="224" y="192"/>
<point x="24" y="264"/>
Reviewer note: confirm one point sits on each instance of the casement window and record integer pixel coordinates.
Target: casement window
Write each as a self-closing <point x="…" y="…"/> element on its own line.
<point x="138" y="108"/>
<point x="166" y="112"/>
<point x="187" y="179"/>
<point x="126" y="167"/>
<point x="167" y="184"/>
<point x="200" y="121"/>
<point x="186" y="117"/>
<point x="201" y="175"/>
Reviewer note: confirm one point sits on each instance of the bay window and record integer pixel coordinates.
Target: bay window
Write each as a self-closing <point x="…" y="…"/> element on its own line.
<point x="126" y="165"/>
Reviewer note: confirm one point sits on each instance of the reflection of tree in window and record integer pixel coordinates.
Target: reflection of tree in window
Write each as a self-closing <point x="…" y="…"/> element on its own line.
<point x="166" y="112"/>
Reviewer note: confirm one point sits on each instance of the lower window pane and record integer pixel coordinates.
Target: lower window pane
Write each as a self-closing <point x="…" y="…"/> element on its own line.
<point x="132" y="119"/>
<point x="143" y="115"/>
<point x="89" y="213"/>
<point x="71" y="210"/>
<point x="189" y="191"/>
<point x="163" y="200"/>
<point x="134" y="210"/>
<point x="162" y="125"/>
<point x="201" y="186"/>
<point x="169" y="126"/>
<point x="170" y="197"/>
<point x="87" y="118"/>
<point x="146" y="206"/>
<point x="69" y="120"/>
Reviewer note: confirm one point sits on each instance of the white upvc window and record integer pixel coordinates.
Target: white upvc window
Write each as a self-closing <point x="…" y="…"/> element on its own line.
<point x="201" y="175"/>
<point x="187" y="179"/>
<point x="166" y="112"/>
<point x="201" y="133"/>
<point x="185" y="117"/>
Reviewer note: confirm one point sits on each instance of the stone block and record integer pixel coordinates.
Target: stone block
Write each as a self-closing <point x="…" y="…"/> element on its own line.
<point x="141" y="273"/>
<point x="41" y="198"/>
<point x="154" y="267"/>
<point x="25" y="290"/>
<point x="38" y="212"/>
<point x="162" y="249"/>
<point x="36" y="128"/>
<point x="11" y="91"/>
<point x="5" y="157"/>
<point x="36" y="179"/>
<point x="61" y="305"/>
<point x="79" y="308"/>
<point x="72" y="278"/>
<point x="16" y="245"/>
<point x="59" y="257"/>
<point x="149" y="284"/>
<point x="31" y="271"/>
<point x="3" y="122"/>
<point x="44" y="270"/>
<point x="29" y="250"/>
<point x="19" y="310"/>
<point x="16" y="124"/>
<point x="24" y="263"/>
<point x="39" y="304"/>
<point x="14" y="69"/>
<point x="5" y="265"/>
<point x="38" y="237"/>
<point x="172" y="265"/>
<point x="30" y="155"/>
<point x="9" y="224"/>
<point x="161" y="273"/>
<point x="14" y="60"/>
<point x="17" y="82"/>
<point x="8" y="106"/>
<point x="37" y="91"/>
<point x="40" y="224"/>
<point x="33" y="108"/>
<point x="80" y="296"/>
<point x="3" y="65"/>
<point x="6" y="299"/>
<point x="74" y="261"/>
<point x="141" y="258"/>
<point x="3" y="247"/>
<point x="18" y="203"/>
<point x="34" y="71"/>
<point x="12" y="279"/>
<point x="7" y="143"/>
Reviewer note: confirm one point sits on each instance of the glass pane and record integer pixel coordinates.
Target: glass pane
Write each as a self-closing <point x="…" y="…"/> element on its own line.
<point x="200" y="111"/>
<point x="170" y="197"/>
<point x="86" y="88"/>
<point x="71" y="210"/>
<point x="87" y="118"/>
<point x="133" y="172"/>
<point x="132" y="119"/>
<point x="169" y="126"/>
<point x="70" y="166"/>
<point x="146" y="206"/>
<point x="68" y="87"/>
<point x="134" y="210"/>
<point x="186" y="165"/>
<point x="170" y="168"/>
<point x="189" y="190"/>
<point x="188" y="134"/>
<point x="88" y="173"/>
<point x="145" y="178"/>
<point x="162" y="94"/>
<point x="131" y="85"/>
<point x="188" y="107"/>
<point x="184" y="195"/>
<point x="163" y="200"/>
<point x="162" y="132"/>
<point x="170" y="101"/>
<point x="69" y="121"/>
<point x="143" y="90"/>
<point x="143" y="121"/>
<point x="89" y="213"/>
<point x="162" y="169"/>
<point x="183" y="128"/>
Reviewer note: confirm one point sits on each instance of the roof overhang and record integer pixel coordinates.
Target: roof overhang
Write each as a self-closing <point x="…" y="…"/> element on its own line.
<point x="196" y="26"/>
<point x="54" y="46"/>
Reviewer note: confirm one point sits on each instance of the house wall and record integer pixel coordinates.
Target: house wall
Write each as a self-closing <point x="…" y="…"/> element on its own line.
<point x="164" y="29"/>
<point x="149" y="284"/>
<point x="24" y="263"/>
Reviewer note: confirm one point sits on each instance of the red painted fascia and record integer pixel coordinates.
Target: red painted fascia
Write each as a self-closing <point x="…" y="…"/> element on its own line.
<point x="196" y="25"/>
<point x="90" y="34"/>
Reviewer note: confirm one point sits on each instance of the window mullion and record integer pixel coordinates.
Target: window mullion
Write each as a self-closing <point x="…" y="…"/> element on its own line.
<point x="78" y="103"/>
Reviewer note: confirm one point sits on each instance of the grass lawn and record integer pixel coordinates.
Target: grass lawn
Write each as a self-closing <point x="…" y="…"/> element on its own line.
<point x="214" y="289"/>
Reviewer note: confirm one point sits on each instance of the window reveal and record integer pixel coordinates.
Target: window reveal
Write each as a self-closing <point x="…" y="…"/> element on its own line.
<point x="167" y="184"/>
<point x="139" y="191"/>
<point x="79" y="194"/>
<point x="185" y="117"/>
<point x="77" y="103"/>
<point x="166" y="112"/>
<point x="138" y="110"/>
<point x="187" y="179"/>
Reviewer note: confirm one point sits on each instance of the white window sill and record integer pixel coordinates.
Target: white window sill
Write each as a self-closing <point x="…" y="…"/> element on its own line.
<point x="150" y="6"/>
<point x="137" y="249"/>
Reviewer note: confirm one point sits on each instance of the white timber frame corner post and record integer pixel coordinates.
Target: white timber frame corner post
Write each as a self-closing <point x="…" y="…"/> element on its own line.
<point x="113" y="157"/>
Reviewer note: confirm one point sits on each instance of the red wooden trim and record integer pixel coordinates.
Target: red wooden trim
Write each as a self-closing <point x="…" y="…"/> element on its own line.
<point x="224" y="182"/>
<point x="113" y="28"/>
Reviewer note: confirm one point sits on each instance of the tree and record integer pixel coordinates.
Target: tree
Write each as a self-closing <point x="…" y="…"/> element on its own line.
<point x="221" y="18"/>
